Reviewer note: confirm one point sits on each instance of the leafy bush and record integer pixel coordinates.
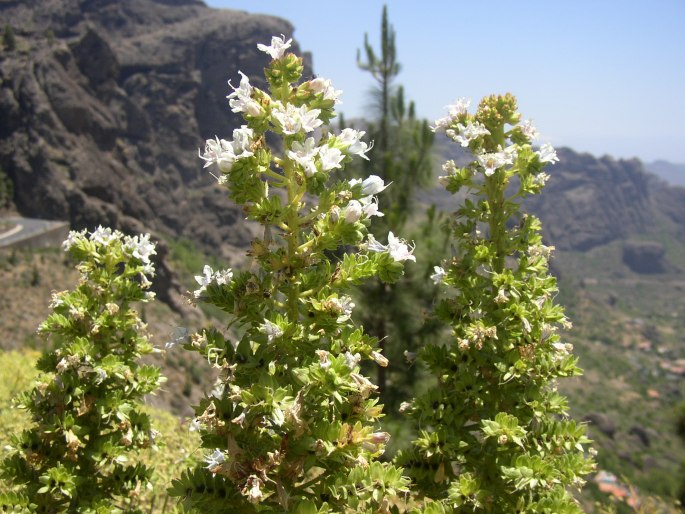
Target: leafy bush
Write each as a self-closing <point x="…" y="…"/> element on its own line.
<point x="84" y="408"/>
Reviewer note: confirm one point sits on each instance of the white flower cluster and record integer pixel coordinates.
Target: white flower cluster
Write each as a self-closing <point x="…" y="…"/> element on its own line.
<point x="367" y="205"/>
<point x="277" y="48"/>
<point x="321" y="86"/>
<point x="295" y="119"/>
<point x="464" y="134"/>
<point x="224" y="153"/>
<point x="139" y="247"/>
<point x="290" y="120"/>
<point x="271" y="330"/>
<point x="305" y="154"/>
<point x="454" y="111"/>
<point x="241" y="99"/>
<point x="208" y="276"/>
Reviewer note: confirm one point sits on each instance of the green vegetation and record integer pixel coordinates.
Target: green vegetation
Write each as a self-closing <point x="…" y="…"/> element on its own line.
<point x="174" y="454"/>
<point x="86" y="421"/>
<point x="8" y="39"/>
<point x="402" y="157"/>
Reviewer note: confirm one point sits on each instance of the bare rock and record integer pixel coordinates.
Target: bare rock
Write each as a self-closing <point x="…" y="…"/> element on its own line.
<point x="645" y="256"/>
<point x="102" y="121"/>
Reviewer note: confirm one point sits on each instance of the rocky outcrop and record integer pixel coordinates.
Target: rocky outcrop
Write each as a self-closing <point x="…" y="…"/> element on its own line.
<point x="104" y="105"/>
<point x="644" y="256"/>
<point x="592" y="201"/>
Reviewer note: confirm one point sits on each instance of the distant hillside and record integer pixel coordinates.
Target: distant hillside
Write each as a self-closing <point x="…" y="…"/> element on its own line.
<point x="672" y="173"/>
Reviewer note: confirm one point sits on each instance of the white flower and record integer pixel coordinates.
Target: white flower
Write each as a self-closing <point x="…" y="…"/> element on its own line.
<point x="62" y="365"/>
<point x="57" y="299"/>
<point x="204" y="280"/>
<point x="459" y="107"/>
<point x="241" y="98"/>
<point x="194" y="425"/>
<point x="330" y="158"/>
<point x="323" y="359"/>
<point x="277" y="48"/>
<point x="344" y="305"/>
<point x="208" y="276"/>
<point x="370" y="206"/>
<point x="353" y="211"/>
<point x="293" y="119"/>
<point x="303" y="154"/>
<point x="215" y="459"/>
<point x="140" y="247"/>
<point x="73" y="237"/>
<point x="372" y="245"/>
<point x="253" y="489"/>
<point x="547" y="154"/>
<point x="352" y="360"/>
<point x="223" y="277"/>
<point x="494" y="161"/>
<point x="242" y="142"/>
<point x="540" y="179"/>
<point x="528" y="130"/>
<point x="325" y="86"/>
<point x="372" y="185"/>
<point x="271" y="330"/>
<point x="439" y="274"/>
<point x="454" y="111"/>
<point x="224" y="153"/>
<point x="352" y="139"/>
<point x="442" y="124"/>
<point x="469" y="132"/>
<point x="218" y="151"/>
<point x="398" y="249"/>
<point x="449" y="167"/>
<point x="104" y="235"/>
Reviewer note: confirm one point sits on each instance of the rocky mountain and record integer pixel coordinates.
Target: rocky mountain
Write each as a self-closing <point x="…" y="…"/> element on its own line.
<point x="104" y="104"/>
<point x="592" y="201"/>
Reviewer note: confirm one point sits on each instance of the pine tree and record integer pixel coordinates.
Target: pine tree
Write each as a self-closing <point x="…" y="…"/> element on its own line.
<point x="401" y="155"/>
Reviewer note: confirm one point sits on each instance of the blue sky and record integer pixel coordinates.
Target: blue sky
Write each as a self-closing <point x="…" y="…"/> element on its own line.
<point x="602" y="76"/>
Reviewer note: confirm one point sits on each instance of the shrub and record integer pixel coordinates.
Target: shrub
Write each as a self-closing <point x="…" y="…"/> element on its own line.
<point x="84" y="408"/>
<point x="495" y="435"/>
<point x="292" y="425"/>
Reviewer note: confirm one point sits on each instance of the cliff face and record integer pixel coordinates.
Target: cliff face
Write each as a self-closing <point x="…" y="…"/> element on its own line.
<point x="104" y="104"/>
<point x="592" y="201"/>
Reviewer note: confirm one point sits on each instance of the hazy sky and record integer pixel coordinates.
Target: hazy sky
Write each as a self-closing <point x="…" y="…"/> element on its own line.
<point x="603" y="76"/>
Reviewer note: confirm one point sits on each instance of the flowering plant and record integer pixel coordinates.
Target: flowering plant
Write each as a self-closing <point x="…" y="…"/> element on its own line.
<point x="292" y="425"/>
<point x="87" y="421"/>
<point x="495" y="434"/>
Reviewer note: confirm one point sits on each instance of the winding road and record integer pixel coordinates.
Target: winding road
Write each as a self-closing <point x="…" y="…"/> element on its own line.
<point x="24" y="228"/>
